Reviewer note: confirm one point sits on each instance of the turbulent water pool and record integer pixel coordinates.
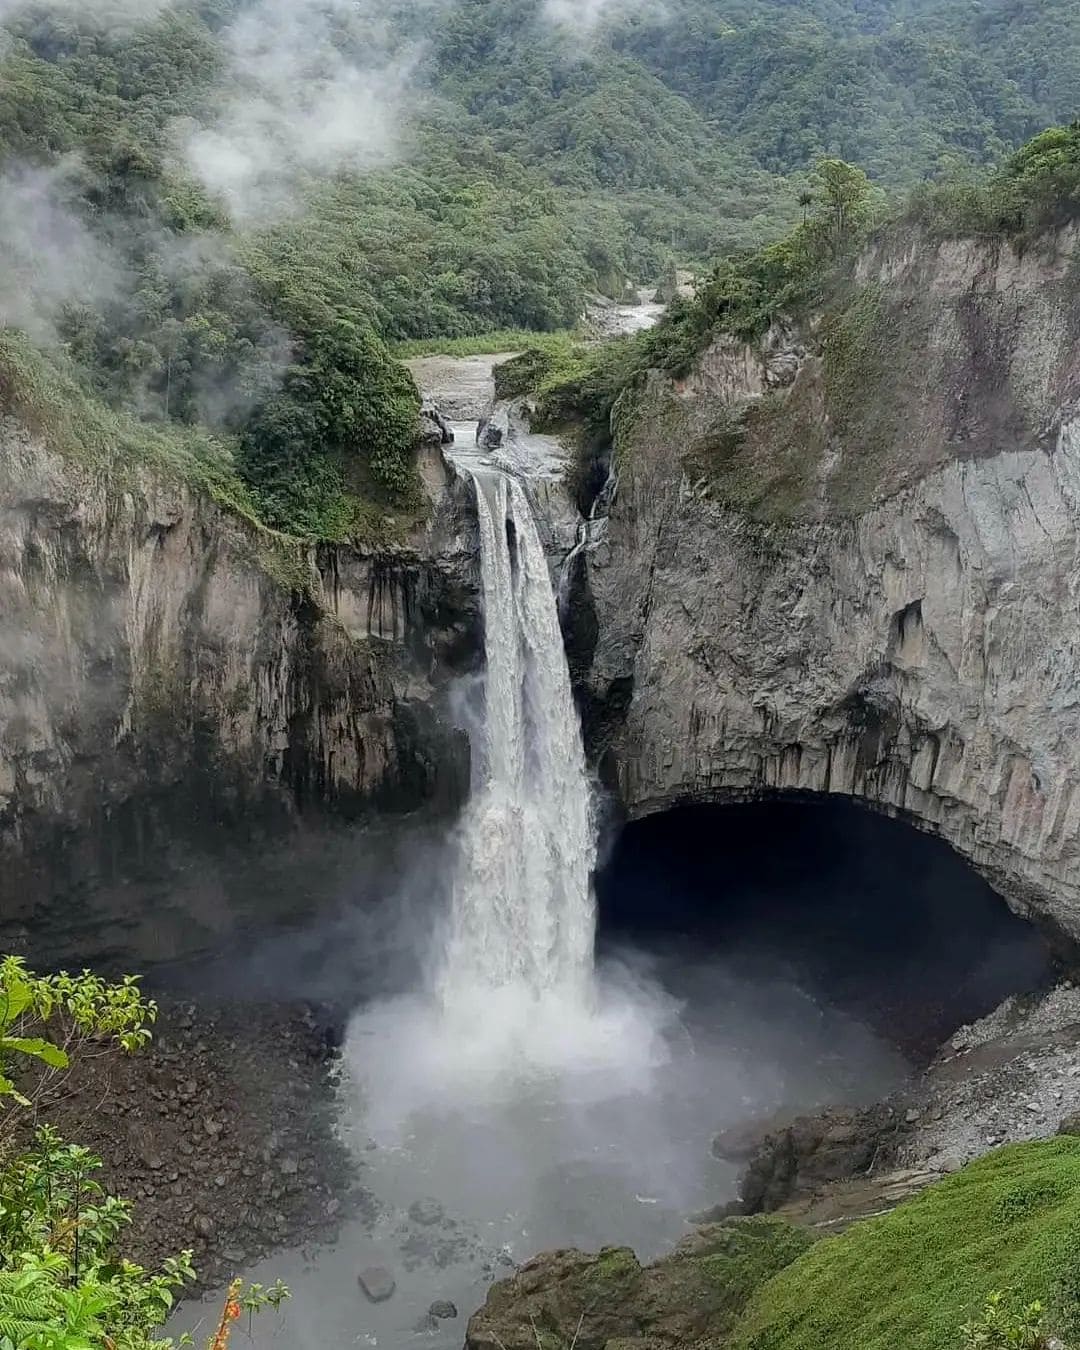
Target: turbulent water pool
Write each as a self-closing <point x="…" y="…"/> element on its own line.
<point x="516" y="1091"/>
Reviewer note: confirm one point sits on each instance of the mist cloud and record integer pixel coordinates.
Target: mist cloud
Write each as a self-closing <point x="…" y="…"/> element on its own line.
<point x="51" y="260"/>
<point x="584" y="15"/>
<point x="299" y="104"/>
<point x="104" y="13"/>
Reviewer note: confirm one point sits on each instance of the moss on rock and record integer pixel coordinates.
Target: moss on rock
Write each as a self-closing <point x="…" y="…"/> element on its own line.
<point x="598" y="1301"/>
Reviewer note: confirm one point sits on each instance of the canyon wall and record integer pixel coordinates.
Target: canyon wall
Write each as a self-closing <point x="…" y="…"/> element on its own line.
<point x="175" y="682"/>
<point x="847" y="560"/>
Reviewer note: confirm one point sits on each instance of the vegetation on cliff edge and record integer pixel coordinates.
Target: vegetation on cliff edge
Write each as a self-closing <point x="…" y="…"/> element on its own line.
<point x="595" y="394"/>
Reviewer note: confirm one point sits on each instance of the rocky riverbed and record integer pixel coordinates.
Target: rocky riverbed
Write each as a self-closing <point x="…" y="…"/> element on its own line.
<point x="221" y="1134"/>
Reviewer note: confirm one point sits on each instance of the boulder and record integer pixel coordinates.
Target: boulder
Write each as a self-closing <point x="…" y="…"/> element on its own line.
<point x="812" y="1152"/>
<point x="494" y="430"/>
<point x="594" y="1301"/>
<point x="434" y="423"/>
<point x="377" y="1283"/>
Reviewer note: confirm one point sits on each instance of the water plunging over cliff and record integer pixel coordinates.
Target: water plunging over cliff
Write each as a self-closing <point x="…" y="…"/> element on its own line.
<point x="522" y="920"/>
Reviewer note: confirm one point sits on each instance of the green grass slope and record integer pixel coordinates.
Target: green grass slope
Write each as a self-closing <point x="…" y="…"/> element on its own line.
<point x="911" y="1279"/>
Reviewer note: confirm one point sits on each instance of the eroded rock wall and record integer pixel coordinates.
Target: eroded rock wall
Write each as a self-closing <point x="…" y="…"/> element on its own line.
<point x="172" y="680"/>
<point x="914" y="643"/>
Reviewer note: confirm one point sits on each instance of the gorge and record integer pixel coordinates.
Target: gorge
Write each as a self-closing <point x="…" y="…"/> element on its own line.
<point x="852" y="605"/>
<point x="519" y="1098"/>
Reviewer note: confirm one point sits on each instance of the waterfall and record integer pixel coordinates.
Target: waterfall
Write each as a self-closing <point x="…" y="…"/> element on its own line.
<point x="522" y="919"/>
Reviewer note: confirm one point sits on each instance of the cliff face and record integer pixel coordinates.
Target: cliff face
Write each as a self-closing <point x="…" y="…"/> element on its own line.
<point x="849" y="561"/>
<point x="171" y="679"/>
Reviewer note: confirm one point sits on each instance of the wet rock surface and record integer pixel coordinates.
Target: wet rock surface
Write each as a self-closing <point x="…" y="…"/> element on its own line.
<point x="221" y="1135"/>
<point x="377" y="1283"/>
<point x="462" y="386"/>
<point x="600" y="1300"/>
<point x="1012" y="1076"/>
<point x="799" y="1159"/>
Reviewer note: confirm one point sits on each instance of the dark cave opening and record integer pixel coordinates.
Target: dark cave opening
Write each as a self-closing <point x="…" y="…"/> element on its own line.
<point x="865" y="913"/>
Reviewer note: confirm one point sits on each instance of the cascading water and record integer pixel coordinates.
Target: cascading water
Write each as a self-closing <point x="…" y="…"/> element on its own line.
<point x="522" y="921"/>
<point x="539" y="1100"/>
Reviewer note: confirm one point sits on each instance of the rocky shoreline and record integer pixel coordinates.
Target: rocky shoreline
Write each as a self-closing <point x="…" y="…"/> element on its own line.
<point x="1010" y="1077"/>
<point x="221" y="1134"/>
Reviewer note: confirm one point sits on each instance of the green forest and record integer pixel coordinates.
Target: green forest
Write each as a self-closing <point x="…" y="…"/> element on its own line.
<point x="528" y="164"/>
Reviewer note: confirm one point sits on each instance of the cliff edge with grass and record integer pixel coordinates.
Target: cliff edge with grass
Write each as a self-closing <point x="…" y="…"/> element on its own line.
<point x="177" y="677"/>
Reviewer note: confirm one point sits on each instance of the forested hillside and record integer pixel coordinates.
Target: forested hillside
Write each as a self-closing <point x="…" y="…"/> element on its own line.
<point x="214" y="214"/>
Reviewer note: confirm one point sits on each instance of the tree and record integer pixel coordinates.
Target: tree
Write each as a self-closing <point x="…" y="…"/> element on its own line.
<point x="846" y="200"/>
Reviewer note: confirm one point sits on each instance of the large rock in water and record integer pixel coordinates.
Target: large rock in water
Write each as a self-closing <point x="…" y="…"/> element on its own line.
<point x="848" y="561"/>
<point x="377" y="1283"/>
<point x="609" y="1299"/>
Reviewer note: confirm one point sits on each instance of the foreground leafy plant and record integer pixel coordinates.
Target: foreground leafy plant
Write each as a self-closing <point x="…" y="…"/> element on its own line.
<point x="999" y="1327"/>
<point x="46" y="1020"/>
<point x="64" y="1282"/>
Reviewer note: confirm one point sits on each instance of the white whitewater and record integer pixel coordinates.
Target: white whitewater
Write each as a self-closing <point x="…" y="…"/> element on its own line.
<point x="522" y="919"/>
<point x="512" y="1005"/>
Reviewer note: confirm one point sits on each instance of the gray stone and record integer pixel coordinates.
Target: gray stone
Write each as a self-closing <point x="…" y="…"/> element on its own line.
<point x="443" y="1309"/>
<point x="868" y="635"/>
<point x="377" y="1283"/>
<point x="494" y="429"/>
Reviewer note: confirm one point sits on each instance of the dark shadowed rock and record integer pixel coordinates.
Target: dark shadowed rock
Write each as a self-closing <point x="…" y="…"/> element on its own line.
<point x="494" y="430"/>
<point x="813" y="1152"/>
<point x="443" y="1309"/>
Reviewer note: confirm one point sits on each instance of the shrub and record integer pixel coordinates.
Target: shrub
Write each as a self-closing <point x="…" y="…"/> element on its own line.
<point x="1000" y="1327"/>
<point x="64" y="1282"/>
<point x="45" y="1020"/>
<point x="345" y="406"/>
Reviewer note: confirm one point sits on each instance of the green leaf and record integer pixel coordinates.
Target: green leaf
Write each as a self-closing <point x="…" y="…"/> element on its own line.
<point x="7" y="1089"/>
<point x="14" y="1000"/>
<point x="37" y="1047"/>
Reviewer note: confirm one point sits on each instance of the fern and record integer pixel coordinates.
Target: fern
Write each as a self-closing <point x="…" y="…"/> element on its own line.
<point x="29" y="1304"/>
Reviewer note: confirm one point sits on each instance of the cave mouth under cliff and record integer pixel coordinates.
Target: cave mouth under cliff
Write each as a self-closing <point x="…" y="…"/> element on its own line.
<point x="863" y="913"/>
